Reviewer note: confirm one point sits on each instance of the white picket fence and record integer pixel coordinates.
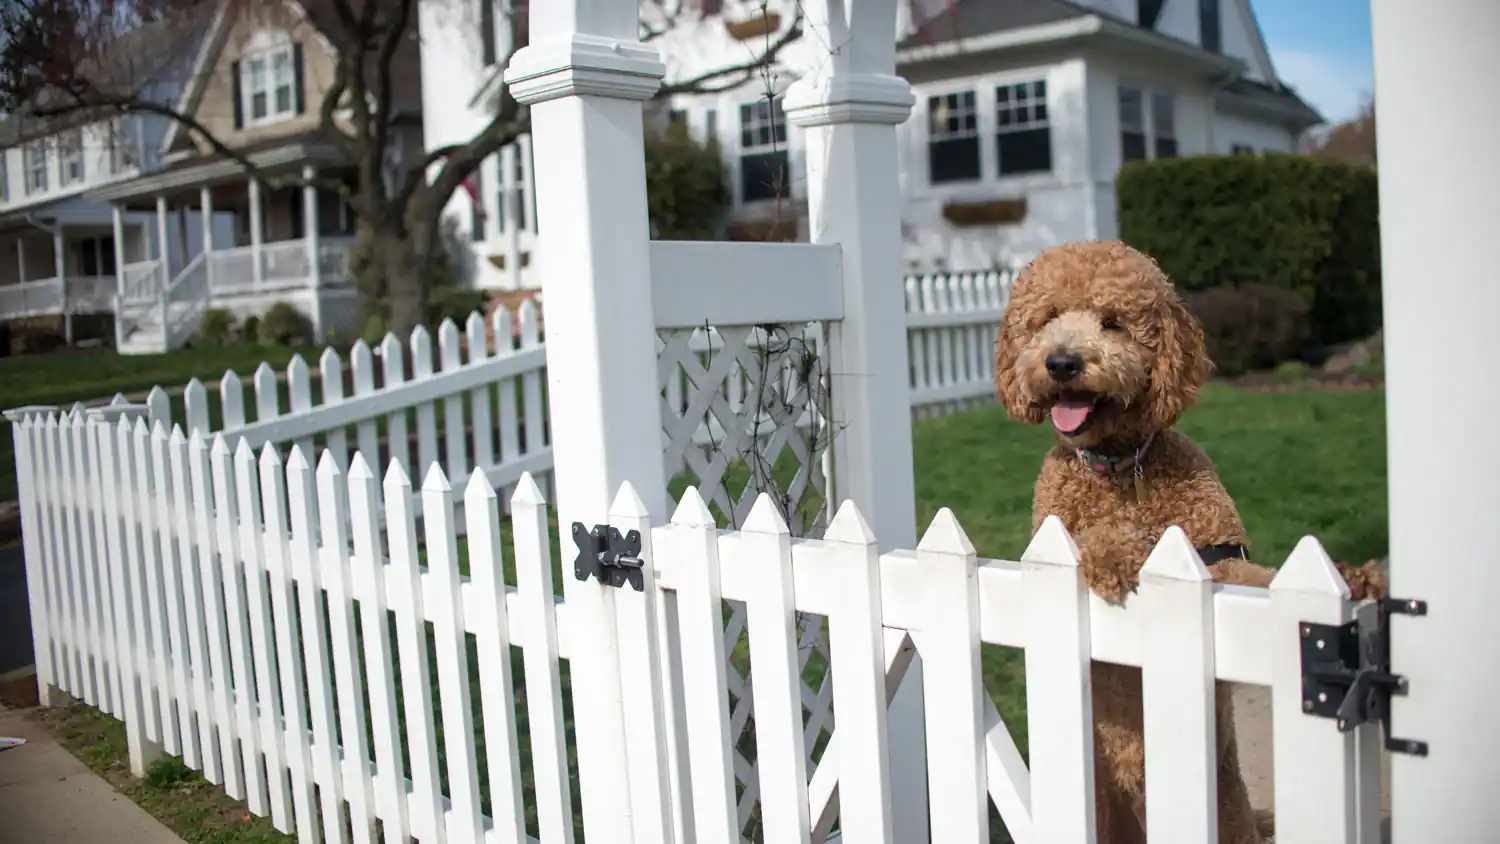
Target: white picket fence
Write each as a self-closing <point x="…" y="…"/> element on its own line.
<point x="178" y="583"/>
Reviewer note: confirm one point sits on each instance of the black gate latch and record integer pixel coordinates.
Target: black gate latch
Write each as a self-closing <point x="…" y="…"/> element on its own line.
<point x="606" y="554"/>
<point x="1346" y="674"/>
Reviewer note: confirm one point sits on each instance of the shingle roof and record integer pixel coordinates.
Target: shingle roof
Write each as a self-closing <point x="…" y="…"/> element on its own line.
<point x="971" y="18"/>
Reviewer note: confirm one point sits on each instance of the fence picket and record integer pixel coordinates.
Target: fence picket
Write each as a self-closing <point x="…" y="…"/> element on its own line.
<point x="333" y="568"/>
<point x="331" y="382"/>
<point x="1315" y="798"/>
<point x="480" y="401"/>
<point x="245" y="754"/>
<point x="510" y="441"/>
<point x="953" y="687"/>
<point x="531" y="382"/>
<point x="426" y="812"/>
<point x="1059" y="709"/>
<point x="538" y="607"/>
<point x="67" y="525"/>
<point x="158" y="407"/>
<point x="465" y="823"/>
<point x="421" y="367"/>
<point x="195" y="406"/>
<point x="83" y="486"/>
<point x="156" y="527"/>
<point x="771" y="617"/>
<point x="636" y="622"/>
<point x="23" y="434"/>
<point x="187" y="582"/>
<point x="307" y="573"/>
<point x="393" y="373"/>
<point x="50" y="483"/>
<point x="1178" y="690"/>
<point x="273" y="738"/>
<point x="362" y="365"/>
<point x="109" y="659"/>
<point x="277" y="550"/>
<point x="456" y="452"/>
<point x="232" y="401"/>
<point x="299" y="395"/>
<point x="857" y="648"/>
<point x="138" y="548"/>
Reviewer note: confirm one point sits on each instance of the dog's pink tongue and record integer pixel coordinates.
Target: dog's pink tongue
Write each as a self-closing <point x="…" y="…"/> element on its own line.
<point x="1070" y="417"/>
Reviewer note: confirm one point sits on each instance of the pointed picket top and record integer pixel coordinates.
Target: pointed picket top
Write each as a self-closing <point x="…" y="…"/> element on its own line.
<point x="1051" y="545"/>
<point x="435" y="480"/>
<point x="360" y="354"/>
<point x="505" y="334"/>
<point x="160" y="431"/>
<point x="765" y="517"/>
<point x="119" y="399"/>
<point x="390" y="347"/>
<point x="221" y="446"/>
<point x="243" y="451"/>
<point x="194" y="391"/>
<point x="157" y="394"/>
<point x="479" y="487"/>
<point x="296" y="370"/>
<point x="1309" y="569"/>
<point x="628" y="504"/>
<point x="359" y="469"/>
<point x="265" y="380"/>
<point x="176" y="438"/>
<point x="230" y="381"/>
<point x="296" y="461"/>
<point x="270" y="457"/>
<point x="141" y="429"/>
<point x="692" y="512"/>
<point x="478" y="340"/>
<point x="395" y="476"/>
<point x="849" y="525"/>
<point x="329" y="360"/>
<point x="530" y="333"/>
<point x="1174" y="558"/>
<point x="946" y="536"/>
<point x="448" y="335"/>
<point x="328" y="467"/>
<point x="421" y="338"/>
<point x="527" y="493"/>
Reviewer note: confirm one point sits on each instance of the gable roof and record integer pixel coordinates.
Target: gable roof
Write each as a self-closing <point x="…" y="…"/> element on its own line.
<point x="972" y="18"/>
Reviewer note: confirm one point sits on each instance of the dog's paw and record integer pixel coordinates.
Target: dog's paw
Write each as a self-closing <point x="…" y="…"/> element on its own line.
<point x="1365" y="582"/>
<point x="1109" y="582"/>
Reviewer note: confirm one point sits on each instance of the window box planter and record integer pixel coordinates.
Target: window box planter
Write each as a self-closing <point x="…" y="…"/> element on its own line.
<point x="994" y="212"/>
<point x="757" y="27"/>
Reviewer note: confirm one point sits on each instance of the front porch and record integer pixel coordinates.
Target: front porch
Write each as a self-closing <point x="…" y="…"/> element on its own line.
<point x="56" y="267"/>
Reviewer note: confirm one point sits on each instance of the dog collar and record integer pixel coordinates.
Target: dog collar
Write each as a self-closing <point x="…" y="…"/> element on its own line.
<point x="1106" y="465"/>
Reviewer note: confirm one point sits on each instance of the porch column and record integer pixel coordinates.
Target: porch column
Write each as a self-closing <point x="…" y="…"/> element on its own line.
<point x="1439" y="199"/>
<point x="310" y="234"/>
<point x="60" y="265"/>
<point x="849" y="110"/>
<point x="118" y="219"/>
<point x="258" y="270"/>
<point x="21" y="258"/>
<point x="163" y="249"/>
<point x="206" y="211"/>
<point x="584" y="76"/>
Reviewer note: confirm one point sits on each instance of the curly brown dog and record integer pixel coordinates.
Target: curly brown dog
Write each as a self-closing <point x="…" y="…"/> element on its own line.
<point x="1095" y="338"/>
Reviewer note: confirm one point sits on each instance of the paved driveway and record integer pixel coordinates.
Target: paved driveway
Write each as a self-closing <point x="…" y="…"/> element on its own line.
<point x="15" y="615"/>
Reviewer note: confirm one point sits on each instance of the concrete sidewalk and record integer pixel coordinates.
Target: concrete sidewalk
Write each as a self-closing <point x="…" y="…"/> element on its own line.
<point x="49" y="797"/>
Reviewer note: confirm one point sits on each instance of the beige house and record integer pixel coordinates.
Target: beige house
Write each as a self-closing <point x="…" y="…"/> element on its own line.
<point x="257" y="85"/>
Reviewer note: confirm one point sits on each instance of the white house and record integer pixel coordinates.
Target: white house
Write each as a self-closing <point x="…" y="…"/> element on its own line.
<point x="1025" y="110"/>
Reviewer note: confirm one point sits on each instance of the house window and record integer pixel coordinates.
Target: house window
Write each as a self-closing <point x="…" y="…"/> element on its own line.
<point x="1163" y="125"/>
<point x="1210" y="35"/>
<point x="1023" y="134"/>
<point x="764" y="163"/>
<point x="70" y="157"/>
<point x="1241" y="149"/>
<point x="1148" y="12"/>
<point x="36" y="167"/>
<point x="95" y="255"/>
<point x="677" y="117"/>
<point x="952" y="138"/>
<point x="711" y="125"/>
<point x="487" y="31"/>
<point x="4" y="175"/>
<point x="269" y="86"/>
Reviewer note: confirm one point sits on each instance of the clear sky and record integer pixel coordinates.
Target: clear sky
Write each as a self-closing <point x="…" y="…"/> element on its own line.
<point x="1321" y="48"/>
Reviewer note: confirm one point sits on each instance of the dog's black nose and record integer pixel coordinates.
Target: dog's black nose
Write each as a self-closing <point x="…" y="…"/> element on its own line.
<point x="1064" y="366"/>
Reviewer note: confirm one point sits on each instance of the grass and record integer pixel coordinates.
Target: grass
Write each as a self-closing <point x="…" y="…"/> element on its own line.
<point x="62" y="379"/>
<point x="1297" y="463"/>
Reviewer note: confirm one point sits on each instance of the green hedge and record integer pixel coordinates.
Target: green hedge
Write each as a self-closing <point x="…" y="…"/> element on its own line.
<point x="1285" y="221"/>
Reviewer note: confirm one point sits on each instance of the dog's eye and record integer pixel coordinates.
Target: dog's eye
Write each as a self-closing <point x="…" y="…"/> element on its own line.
<point x="1110" y="323"/>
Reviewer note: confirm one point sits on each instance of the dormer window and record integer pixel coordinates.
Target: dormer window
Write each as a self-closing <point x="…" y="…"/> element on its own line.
<point x="269" y="85"/>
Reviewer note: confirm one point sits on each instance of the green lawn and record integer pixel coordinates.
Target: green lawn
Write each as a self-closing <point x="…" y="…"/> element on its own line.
<point x="66" y="378"/>
<point x="1297" y="463"/>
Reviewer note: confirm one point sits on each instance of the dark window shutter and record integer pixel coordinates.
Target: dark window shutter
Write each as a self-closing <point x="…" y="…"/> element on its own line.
<point x="239" y="100"/>
<point x="298" y="230"/>
<point x="297" y="80"/>
<point x="487" y="29"/>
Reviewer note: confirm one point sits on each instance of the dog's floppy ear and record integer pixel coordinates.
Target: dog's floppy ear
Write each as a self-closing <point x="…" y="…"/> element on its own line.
<point x="1181" y="364"/>
<point x="1013" y="335"/>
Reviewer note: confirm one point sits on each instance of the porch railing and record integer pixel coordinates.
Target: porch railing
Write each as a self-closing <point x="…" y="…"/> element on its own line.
<point x="283" y="264"/>
<point x="30" y="298"/>
<point x="184" y="300"/>
<point x="142" y="281"/>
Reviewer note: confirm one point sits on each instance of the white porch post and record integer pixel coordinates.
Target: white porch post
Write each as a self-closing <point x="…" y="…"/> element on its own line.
<point x="206" y="212"/>
<point x="849" y="110"/>
<point x="118" y="219"/>
<point x="164" y="251"/>
<point x="21" y="258"/>
<point x="1439" y="200"/>
<point x="585" y="75"/>
<point x="258" y="269"/>
<point x="60" y="266"/>
<point x="310" y="234"/>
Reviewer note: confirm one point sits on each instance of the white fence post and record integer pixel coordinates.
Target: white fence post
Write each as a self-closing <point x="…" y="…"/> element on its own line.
<point x="26" y="430"/>
<point x="849" y="109"/>
<point x="1439" y="198"/>
<point x="584" y="76"/>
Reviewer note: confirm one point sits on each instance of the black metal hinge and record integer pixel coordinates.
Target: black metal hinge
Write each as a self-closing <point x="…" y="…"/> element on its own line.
<point x="1346" y="673"/>
<point x="606" y="554"/>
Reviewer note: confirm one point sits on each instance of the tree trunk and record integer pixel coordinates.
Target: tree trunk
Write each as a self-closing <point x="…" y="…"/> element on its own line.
<point x="388" y="266"/>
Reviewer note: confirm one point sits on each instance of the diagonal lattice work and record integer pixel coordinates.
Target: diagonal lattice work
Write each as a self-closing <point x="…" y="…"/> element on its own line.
<point x="745" y="410"/>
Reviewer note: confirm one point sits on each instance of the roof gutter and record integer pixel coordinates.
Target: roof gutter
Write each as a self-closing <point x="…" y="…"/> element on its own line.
<point x="31" y="219"/>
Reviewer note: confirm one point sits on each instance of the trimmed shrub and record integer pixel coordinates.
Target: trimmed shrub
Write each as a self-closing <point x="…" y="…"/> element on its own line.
<point x="283" y="325"/>
<point x="1290" y="222"/>
<point x="687" y="185"/>
<point x="1250" y="327"/>
<point x="455" y="303"/>
<point x="217" y="327"/>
